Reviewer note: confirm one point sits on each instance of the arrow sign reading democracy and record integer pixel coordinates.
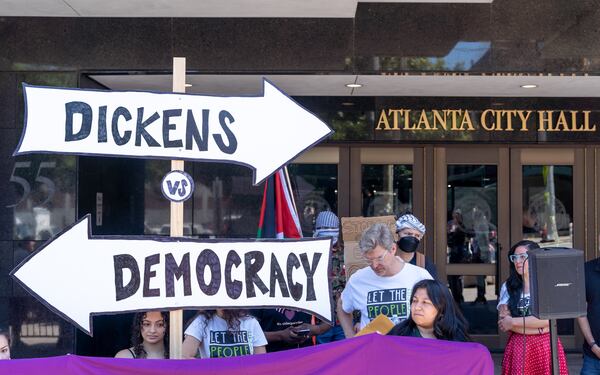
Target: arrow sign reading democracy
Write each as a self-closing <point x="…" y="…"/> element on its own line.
<point x="78" y="275"/>
<point x="263" y="132"/>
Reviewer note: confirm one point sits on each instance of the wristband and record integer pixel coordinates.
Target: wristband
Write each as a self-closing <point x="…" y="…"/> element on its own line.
<point x="592" y="344"/>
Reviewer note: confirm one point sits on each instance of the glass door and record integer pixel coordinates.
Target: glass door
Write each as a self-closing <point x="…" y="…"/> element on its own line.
<point x="547" y="206"/>
<point x="471" y="231"/>
<point x="315" y="180"/>
<point x="386" y="181"/>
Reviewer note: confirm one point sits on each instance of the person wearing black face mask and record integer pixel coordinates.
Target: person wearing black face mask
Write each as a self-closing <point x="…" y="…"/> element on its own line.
<point x="410" y="232"/>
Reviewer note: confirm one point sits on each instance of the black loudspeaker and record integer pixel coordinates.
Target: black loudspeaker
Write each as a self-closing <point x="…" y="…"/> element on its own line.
<point x="557" y="283"/>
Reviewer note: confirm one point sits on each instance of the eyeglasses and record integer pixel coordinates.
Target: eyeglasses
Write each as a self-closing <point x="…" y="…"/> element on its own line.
<point x="379" y="259"/>
<point x="518" y="257"/>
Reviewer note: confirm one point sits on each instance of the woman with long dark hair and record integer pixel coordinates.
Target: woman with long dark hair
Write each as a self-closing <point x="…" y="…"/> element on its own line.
<point x="149" y="336"/>
<point x="433" y="314"/>
<point x="223" y="333"/>
<point x="528" y="347"/>
<point x="4" y="344"/>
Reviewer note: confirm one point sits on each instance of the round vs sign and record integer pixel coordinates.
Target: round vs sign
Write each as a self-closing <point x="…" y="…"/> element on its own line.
<point x="177" y="186"/>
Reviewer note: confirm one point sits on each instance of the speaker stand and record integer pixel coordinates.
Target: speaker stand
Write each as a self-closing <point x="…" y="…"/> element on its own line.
<point x="554" y="347"/>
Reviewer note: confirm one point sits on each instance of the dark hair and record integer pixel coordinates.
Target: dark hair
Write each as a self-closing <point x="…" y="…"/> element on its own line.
<point x="514" y="283"/>
<point x="137" y="341"/>
<point x="449" y="324"/>
<point x="231" y="316"/>
<point x="6" y="334"/>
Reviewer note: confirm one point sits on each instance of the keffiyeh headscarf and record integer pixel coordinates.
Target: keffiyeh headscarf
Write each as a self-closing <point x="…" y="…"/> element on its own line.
<point x="327" y="224"/>
<point x="411" y="222"/>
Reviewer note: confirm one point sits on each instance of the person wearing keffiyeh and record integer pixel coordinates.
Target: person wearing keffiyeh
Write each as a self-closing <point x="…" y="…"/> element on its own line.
<point x="410" y="232"/>
<point x="327" y="224"/>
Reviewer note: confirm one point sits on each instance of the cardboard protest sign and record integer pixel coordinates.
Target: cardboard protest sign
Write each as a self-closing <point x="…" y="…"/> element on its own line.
<point x="352" y="230"/>
<point x="263" y="132"/>
<point x="78" y="275"/>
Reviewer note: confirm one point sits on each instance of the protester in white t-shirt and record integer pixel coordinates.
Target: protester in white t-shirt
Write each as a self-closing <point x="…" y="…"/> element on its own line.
<point x="223" y="333"/>
<point x="383" y="288"/>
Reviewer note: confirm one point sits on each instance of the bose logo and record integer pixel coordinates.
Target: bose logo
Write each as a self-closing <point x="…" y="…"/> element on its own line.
<point x="563" y="284"/>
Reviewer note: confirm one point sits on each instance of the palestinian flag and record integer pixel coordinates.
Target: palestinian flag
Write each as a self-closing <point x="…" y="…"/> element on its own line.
<point x="278" y="214"/>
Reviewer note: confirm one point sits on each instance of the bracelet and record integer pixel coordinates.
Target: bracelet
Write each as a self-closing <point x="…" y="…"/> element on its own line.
<point x="592" y="344"/>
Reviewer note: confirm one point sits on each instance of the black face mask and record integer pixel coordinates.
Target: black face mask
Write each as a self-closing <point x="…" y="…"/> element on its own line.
<point x="408" y="244"/>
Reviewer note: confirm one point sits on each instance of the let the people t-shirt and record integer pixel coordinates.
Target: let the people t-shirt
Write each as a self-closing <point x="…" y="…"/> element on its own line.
<point x="217" y="341"/>
<point x="389" y="295"/>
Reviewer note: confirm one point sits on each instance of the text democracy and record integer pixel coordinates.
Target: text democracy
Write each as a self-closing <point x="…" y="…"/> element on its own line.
<point x="253" y="262"/>
<point x="123" y="131"/>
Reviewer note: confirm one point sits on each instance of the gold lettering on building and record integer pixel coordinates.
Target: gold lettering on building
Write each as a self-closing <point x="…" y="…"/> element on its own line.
<point x="467" y="121"/>
<point x="491" y="120"/>
<point x="396" y="113"/>
<point x="438" y="119"/>
<point x="483" y="119"/>
<point x="586" y="122"/>
<point x="524" y="119"/>
<point x="423" y="122"/>
<point x="545" y="121"/>
<point x="383" y="121"/>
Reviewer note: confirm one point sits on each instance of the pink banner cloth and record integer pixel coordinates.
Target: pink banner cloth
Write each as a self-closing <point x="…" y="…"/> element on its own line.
<point x="370" y="354"/>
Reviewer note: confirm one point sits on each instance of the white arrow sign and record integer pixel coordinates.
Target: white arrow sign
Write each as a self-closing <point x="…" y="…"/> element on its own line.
<point x="263" y="132"/>
<point x="78" y="275"/>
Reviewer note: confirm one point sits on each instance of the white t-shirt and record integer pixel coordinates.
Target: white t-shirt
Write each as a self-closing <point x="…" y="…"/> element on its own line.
<point x="524" y="301"/>
<point x="217" y="341"/>
<point x="389" y="295"/>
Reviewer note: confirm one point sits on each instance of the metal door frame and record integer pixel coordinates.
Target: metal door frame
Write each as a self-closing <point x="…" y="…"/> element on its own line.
<point x="489" y="155"/>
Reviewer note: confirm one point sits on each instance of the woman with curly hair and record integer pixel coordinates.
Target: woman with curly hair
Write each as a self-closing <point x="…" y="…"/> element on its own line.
<point x="528" y="347"/>
<point x="223" y="333"/>
<point x="433" y="314"/>
<point x="149" y="337"/>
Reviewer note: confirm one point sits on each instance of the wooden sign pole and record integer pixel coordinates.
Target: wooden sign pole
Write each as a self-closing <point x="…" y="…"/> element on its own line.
<point x="176" y="316"/>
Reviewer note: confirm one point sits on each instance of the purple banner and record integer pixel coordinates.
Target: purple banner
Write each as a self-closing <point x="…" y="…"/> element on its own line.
<point x="370" y="354"/>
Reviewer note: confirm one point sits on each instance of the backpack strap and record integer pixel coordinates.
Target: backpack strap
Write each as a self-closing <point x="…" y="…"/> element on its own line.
<point x="420" y="260"/>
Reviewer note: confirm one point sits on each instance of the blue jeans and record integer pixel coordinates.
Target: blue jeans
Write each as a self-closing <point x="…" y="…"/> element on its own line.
<point x="591" y="366"/>
<point x="336" y="333"/>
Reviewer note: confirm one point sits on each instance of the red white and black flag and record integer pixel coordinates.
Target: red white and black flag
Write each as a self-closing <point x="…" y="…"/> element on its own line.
<point x="278" y="214"/>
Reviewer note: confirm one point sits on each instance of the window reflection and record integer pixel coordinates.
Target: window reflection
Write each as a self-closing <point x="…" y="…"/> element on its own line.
<point x="43" y="191"/>
<point x="315" y="186"/>
<point x="472" y="214"/>
<point x="462" y="57"/>
<point x="226" y="204"/>
<point x="386" y="189"/>
<point x="477" y="301"/>
<point x="36" y="331"/>
<point x="548" y="205"/>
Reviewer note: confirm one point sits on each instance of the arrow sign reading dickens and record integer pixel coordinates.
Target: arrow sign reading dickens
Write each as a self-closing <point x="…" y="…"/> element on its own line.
<point x="79" y="275"/>
<point x="263" y="132"/>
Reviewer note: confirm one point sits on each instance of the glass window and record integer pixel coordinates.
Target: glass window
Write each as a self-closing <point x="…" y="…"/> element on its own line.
<point x="315" y="186"/>
<point x="548" y="212"/>
<point x="226" y="204"/>
<point x="476" y="297"/>
<point x="548" y="205"/>
<point x="472" y="214"/>
<point x="43" y="190"/>
<point x="386" y="189"/>
<point x="39" y="202"/>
